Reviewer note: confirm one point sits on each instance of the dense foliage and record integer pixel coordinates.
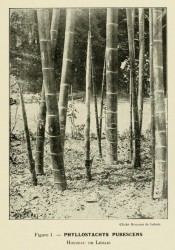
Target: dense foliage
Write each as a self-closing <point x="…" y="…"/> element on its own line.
<point x="25" y="60"/>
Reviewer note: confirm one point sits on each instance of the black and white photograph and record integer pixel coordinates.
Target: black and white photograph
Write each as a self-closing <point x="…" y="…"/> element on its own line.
<point x="87" y="125"/>
<point x="88" y="132"/>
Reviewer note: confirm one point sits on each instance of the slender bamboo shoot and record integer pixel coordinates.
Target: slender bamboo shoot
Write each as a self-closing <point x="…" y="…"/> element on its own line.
<point x="87" y="103"/>
<point x="102" y="100"/>
<point x="29" y="149"/>
<point x="96" y="112"/>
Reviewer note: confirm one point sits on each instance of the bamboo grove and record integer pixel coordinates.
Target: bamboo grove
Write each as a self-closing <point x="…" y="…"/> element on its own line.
<point x="54" y="105"/>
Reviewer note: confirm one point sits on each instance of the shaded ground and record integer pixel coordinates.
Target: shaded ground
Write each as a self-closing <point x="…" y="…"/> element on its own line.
<point x="116" y="192"/>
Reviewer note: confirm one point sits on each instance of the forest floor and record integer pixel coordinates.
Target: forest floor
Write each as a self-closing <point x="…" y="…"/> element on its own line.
<point x="115" y="192"/>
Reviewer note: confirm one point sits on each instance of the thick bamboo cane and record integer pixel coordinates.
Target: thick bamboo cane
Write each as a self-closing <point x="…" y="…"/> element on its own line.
<point x="54" y="28"/>
<point x="141" y="64"/>
<point x="51" y="100"/>
<point x="136" y="156"/>
<point x="130" y="94"/>
<point x="39" y="155"/>
<point x="160" y="179"/>
<point x="111" y="84"/>
<point x="67" y="74"/>
<point x="152" y="94"/>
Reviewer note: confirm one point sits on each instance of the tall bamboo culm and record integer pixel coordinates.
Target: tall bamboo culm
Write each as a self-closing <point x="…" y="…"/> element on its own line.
<point x="87" y="103"/>
<point x="67" y="73"/>
<point x="40" y="135"/>
<point x="141" y="64"/>
<point x="160" y="179"/>
<point x="51" y="99"/>
<point x="111" y="85"/>
<point x="73" y="114"/>
<point x="54" y="29"/>
<point x="27" y="135"/>
<point x="39" y="155"/>
<point x="102" y="101"/>
<point x="136" y="155"/>
<point x="130" y="93"/>
<point x="152" y="93"/>
<point x="96" y="112"/>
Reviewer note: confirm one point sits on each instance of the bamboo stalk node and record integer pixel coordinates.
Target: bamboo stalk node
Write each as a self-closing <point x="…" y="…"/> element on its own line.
<point x="115" y="24"/>
<point x="158" y="67"/>
<point x="159" y="91"/>
<point x="62" y="108"/>
<point x="109" y="71"/>
<point x="131" y="31"/>
<point x="52" y="115"/>
<point x="159" y="112"/>
<point x="47" y="68"/>
<point x="67" y="59"/>
<point x="112" y="48"/>
<point x="44" y="40"/>
<point x="157" y="147"/>
<point x="51" y="94"/>
<point x="64" y="84"/>
<point x="160" y="161"/>
<point x="56" y="31"/>
<point x="69" y="32"/>
<point x="160" y="131"/>
<point x="113" y="112"/>
<point x="111" y="93"/>
<point x="158" y="41"/>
